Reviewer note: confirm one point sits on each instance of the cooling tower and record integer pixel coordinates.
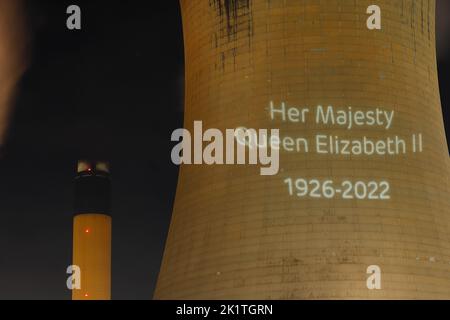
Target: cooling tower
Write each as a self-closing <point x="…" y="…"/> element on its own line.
<point x="360" y="206"/>
<point x="13" y="60"/>
<point x="92" y="231"/>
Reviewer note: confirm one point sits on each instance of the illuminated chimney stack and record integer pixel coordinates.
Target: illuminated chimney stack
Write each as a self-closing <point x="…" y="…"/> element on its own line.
<point x="237" y="235"/>
<point x="92" y="230"/>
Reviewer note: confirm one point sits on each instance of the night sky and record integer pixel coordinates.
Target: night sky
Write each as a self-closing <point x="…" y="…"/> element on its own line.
<point x="112" y="91"/>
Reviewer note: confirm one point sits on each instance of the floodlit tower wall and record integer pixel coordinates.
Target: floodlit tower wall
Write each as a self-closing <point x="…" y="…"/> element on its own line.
<point x="236" y="234"/>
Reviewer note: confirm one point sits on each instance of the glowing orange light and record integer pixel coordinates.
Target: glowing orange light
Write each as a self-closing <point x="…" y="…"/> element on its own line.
<point x="87" y="231"/>
<point x="86" y="295"/>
